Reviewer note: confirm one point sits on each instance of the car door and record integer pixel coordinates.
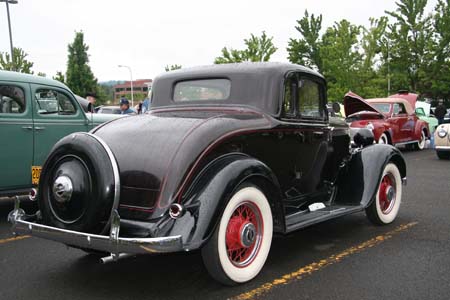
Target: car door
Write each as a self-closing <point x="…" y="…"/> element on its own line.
<point x="402" y="122"/>
<point x="305" y="113"/>
<point x="56" y="114"/>
<point x="16" y="135"/>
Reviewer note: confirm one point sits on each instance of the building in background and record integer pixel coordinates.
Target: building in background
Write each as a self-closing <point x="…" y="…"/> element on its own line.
<point x="141" y="88"/>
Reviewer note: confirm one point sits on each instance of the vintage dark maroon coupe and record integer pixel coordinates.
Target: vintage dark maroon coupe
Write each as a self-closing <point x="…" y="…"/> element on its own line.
<point x="228" y="156"/>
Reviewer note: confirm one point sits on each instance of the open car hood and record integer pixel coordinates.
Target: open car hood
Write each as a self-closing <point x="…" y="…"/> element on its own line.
<point x="354" y="103"/>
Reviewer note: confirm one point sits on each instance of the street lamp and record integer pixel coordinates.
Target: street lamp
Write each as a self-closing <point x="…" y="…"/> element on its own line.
<point x="131" y="76"/>
<point x="8" y="2"/>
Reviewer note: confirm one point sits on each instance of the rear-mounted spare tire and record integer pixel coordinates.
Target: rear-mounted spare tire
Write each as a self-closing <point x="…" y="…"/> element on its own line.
<point x="79" y="184"/>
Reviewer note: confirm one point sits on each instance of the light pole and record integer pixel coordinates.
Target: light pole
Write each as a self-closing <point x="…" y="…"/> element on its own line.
<point x="131" y="76"/>
<point x="8" y="2"/>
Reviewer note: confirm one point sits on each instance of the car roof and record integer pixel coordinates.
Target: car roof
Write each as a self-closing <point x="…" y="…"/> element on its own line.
<point x="28" y="78"/>
<point x="239" y="68"/>
<point x="392" y="100"/>
<point x="257" y="84"/>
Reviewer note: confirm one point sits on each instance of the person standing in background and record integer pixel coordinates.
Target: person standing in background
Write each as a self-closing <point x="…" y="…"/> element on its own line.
<point x="125" y="107"/>
<point x="91" y="97"/>
<point x="440" y="112"/>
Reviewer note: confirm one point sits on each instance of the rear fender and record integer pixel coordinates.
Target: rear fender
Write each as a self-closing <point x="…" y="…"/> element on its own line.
<point x="359" y="180"/>
<point x="212" y="189"/>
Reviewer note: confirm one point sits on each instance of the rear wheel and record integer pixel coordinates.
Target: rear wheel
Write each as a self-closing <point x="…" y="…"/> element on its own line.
<point x="443" y="154"/>
<point x="241" y="242"/>
<point x="383" y="139"/>
<point x="384" y="208"/>
<point x="420" y="145"/>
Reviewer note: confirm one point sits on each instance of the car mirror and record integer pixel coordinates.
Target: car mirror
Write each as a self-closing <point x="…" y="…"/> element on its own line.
<point x="363" y="137"/>
<point x="336" y="107"/>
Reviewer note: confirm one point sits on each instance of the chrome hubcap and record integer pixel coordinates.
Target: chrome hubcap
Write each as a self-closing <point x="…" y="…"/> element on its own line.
<point x="62" y="189"/>
<point x="390" y="193"/>
<point x="248" y="235"/>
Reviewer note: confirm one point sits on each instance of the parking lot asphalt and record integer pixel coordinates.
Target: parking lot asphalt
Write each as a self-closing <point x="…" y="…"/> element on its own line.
<point x="346" y="258"/>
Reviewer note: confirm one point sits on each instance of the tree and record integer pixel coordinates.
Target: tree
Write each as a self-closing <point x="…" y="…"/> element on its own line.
<point x="79" y="76"/>
<point x="258" y="49"/>
<point x="341" y="59"/>
<point x="438" y="72"/>
<point x="59" y="76"/>
<point x="172" y="67"/>
<point x="20" y="64"/>
<point x="306" y="50"/>
<point x="410" y="39"/>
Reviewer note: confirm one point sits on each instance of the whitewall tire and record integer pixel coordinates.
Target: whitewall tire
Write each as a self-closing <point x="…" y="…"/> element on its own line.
<point x="383" y="139"/>
<point x="241" y="242"/>
<point x="384" y="209"/>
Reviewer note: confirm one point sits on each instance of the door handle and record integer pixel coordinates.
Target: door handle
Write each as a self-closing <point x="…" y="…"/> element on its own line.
<point x="318" y="134"/>
<point x="39" y="128"/>
<point x="27" y="127"/>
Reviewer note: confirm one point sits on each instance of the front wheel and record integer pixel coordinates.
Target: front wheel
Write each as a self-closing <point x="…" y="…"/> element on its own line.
<point x="383" y="139"/>
<point x="241" y="242"/>
<point x="384" y="208"/>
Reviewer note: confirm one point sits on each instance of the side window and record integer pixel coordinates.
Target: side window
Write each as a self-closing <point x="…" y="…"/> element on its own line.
<point x="49" y="101"/>
<point x="309" y="99"/>
<point x="12" y="100"/>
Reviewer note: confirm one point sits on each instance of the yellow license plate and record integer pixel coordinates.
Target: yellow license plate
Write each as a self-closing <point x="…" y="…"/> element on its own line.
<point x="35" y="174"/>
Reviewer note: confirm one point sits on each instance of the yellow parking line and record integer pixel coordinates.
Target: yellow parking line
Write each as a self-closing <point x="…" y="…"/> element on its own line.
<point x="316" y="266"/>
<point x="17" y="238"/>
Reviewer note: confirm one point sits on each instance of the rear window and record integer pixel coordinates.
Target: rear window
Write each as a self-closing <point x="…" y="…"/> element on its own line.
<point x="202" y="90"/>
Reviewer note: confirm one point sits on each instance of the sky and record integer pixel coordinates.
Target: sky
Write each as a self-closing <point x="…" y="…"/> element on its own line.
<point x="148" y="35"/>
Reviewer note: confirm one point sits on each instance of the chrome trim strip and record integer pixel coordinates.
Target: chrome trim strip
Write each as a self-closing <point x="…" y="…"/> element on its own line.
<point x="116" y="176"/>
<point x="443" y="148"/>
<point x="404" y="181"/>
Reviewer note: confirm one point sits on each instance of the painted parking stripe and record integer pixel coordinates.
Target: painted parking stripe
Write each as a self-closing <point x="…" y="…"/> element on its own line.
<point x="316" y="266"/>
<point x="17" y="238"/>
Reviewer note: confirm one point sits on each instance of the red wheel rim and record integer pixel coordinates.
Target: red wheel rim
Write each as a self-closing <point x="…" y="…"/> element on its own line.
<point x="387" y="194"/>
<point x="244" y="234"/>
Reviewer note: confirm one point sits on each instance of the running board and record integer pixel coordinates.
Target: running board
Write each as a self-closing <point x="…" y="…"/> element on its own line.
<point x="306" y="218"/>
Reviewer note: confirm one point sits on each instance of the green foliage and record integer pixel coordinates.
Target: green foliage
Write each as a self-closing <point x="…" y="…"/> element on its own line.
<point x="79" y="76"/>
<point x="306" y="50"/>
<point x="172" y="67"/>
<point x="410" y="39"/>
<point x="59" y="76"/>
<point x="41" y="74"/>
<point x="258" y="49"/>
<point x="411" y="50"/>
<point x="20" y="63"/>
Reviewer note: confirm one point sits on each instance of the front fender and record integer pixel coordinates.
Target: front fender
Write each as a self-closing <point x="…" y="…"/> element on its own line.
<point x="211" y="190"/>
<point x="359" y="180"/>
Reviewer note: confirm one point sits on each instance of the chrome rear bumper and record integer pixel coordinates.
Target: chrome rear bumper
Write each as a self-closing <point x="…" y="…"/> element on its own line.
<point x="23" y="224"/>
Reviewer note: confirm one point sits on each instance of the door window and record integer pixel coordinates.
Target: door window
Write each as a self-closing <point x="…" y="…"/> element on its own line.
<point x="12" y="100"/>
<point x="49" y="101"/>
<point x="309" y="104"/>
<point x="303" y="98"/>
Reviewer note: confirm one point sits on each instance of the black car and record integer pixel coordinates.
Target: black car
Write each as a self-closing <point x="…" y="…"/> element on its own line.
<point x="227" y="156"/>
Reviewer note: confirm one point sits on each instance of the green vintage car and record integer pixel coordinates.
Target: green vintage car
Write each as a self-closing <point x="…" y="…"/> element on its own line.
<point x="35" y="112"/>
<point x="423" y="111"/>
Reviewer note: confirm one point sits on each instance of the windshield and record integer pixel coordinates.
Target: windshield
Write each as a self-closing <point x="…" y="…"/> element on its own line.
<point x="202" y="90"/>
<point x="383" y="107"/>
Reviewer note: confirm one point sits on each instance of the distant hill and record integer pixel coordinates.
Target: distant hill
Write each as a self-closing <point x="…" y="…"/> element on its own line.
<point x="111" y="82"/>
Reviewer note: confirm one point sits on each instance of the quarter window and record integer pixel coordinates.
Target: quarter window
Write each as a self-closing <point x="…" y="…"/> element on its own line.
<point x="12" y="100"/>
<point x="53" y="102"/>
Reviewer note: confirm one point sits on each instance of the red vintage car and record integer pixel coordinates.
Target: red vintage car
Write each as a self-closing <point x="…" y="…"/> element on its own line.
<point x="392" y="120"/>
